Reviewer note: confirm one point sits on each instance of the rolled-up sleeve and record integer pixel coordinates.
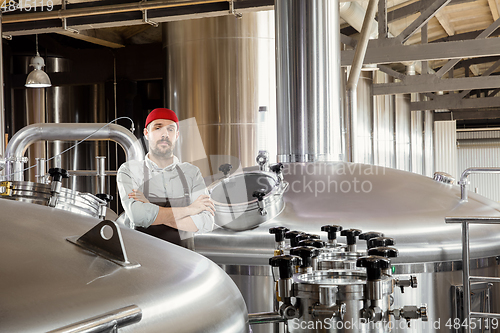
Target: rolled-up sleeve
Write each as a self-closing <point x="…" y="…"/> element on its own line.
<point x="203" y="221"/>
<point x="139" y="213"/>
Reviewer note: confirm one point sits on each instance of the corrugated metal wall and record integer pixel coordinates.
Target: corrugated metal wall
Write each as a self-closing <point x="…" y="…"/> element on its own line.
<point x="445" y="147"/>
<point x="480" y="148"/>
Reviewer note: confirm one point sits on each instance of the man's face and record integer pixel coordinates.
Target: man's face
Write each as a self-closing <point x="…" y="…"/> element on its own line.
<point x="162" y="135"/>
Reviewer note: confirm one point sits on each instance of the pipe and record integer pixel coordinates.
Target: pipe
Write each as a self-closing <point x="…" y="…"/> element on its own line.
<point x="69" y="132"/>
<point x="2" y="102"/>
<point x="463" y="179"/>
<point x="265" y="318"/>
<point x="101" y="10"/>
<point x="352" y="83"/>
<point x="308" y="81"/>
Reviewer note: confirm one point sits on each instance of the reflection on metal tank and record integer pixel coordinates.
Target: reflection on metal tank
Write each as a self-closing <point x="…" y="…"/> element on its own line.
<point x="403" y="132"/>
<point x="383" y="128"/>
<point x="364" y="120"/>
<point x="308" y="80"/>
<point x="50" y="283"/>
<point x="405" y="206"/>
<point x="221" y="70"/>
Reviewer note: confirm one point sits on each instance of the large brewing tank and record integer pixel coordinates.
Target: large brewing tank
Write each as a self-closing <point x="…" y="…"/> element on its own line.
<point x="407" y="207"/>
<point x="49" y="283"/>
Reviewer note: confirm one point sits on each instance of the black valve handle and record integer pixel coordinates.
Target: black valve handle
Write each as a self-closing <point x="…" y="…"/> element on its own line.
<point x="306" y="236"/>
<point x="259" y="194"/>
<point x="225" y="168"/>
<point x="380" y="241"/>
<point x="306" y="253"/>
<point x="374" y="266"/>
<point x="383" y="251"/>
<point x="351" y="235"/>
<point x="279" y="233"/>
<point x="106" y="197"/>
<point x="369" y="235"/>
<point x="58" y="174"/>
<point x="292" y="235"/>
<point x="331" y="230"/>
<point x="276" y="168"/>
<point x="286" y="264"/>
<point x="312" y="242"/>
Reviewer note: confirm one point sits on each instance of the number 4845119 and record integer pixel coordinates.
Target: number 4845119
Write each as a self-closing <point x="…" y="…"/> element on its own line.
<point x="28" y="5"/>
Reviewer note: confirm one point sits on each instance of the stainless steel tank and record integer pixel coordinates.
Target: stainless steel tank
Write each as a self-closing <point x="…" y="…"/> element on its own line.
<point x="408" y="207"/>
<point x="49" y="283"/>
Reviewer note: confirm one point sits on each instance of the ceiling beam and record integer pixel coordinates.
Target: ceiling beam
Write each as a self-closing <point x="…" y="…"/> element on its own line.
<point x="494" y="9"/>
<point x="488" y="72"/>
<point x="99" y="37"/>
<point x="445" y="23"/>
<point x="451" y="102"/>
<point x="386" y="54"/>
<point x="430" y="83"/>
<point x="487" y="32"/>
<point x="426" y="15"/>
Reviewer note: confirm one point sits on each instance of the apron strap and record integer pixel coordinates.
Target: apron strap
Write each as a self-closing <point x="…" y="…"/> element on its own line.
<point x="185" y="186"/>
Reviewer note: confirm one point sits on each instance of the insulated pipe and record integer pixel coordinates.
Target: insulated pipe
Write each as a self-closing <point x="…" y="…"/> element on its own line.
<point x="352" y="82"/>
<point x="308" y="80"/>
<point x="69" y="132"/>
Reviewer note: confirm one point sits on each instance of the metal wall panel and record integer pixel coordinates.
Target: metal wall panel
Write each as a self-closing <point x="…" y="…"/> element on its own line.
<point x="364" y="120"/>
<point x="445" y="147"/>
<point x="402" y="126"/>
<point x="480" y="149"/>
<point x="383" y="125"/>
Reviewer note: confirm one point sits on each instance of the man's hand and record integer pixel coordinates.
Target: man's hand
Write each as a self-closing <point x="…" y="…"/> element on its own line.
<point x="203" y="203"/>
<point x="138" y="195"/>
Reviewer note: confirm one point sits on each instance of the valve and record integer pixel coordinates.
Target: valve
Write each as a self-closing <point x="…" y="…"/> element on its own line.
<point x="351" y="235"/>
<point x="262" y="159"/>
<point x="58" y="174"/>
<point x="382" y="251"/>
<point x="277" y="168"/>
<point x="279" y="233"/>
<point x="305" y="237"/>
<point x="306" y="253"/>
<point x="374" y="266"/>
<point x="410" y="312"/>
<point x="332" y="232"/>
<point x="312" y="242"/>
<point x="260" y="194"/>
<point x="286" y="265"/>
<point x="380" y="241"/>
<point x="405" y="283"/>
<point x="225" y="168"/>
<point x="369" y="235"/>
<point x="106" y="197"/>
<point x="291" y="235"/>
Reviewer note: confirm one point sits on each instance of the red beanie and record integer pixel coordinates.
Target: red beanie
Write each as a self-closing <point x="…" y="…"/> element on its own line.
<point x="162" y="113"/>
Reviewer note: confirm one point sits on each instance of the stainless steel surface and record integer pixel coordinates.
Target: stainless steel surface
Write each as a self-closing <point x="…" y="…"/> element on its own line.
<point x="403" y="132"/>
<point x="308" y="80"/>
<point x="443" y="177"/>
<point x="264" y="318"/>
<point x="465" y="174"/>
<point x="40" y="170"/>
<point x="108" y="322"/>
<point x="177" y="290"/>
<point x="36" y="132"/>
<point x="224" y="89"/>
<point x="101" y="174"/>
<point x="384" y="125"/>
<point x="417" y="141"/>
<point x="235" y="206"/>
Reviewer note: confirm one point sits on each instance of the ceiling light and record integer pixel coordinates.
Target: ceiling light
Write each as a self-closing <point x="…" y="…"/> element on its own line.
<point x="37" y="78"/>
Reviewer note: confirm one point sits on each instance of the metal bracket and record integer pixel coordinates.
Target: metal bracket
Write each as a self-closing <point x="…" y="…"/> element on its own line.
<point x="5" y="188"/>
<point x="64" y="22"/>
<point x="232" y="11"/>
<point x="145" y="17"/>
<point x="109" y="247"/>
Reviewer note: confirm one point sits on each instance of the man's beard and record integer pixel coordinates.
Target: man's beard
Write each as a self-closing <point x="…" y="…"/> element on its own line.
<point x="157" y="151"/>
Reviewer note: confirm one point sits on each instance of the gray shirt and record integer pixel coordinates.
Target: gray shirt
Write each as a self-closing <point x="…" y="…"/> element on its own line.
<point x="163" y="183"/>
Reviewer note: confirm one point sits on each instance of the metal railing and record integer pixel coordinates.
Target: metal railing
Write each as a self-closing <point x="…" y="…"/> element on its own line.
<point x="466" y="277"/>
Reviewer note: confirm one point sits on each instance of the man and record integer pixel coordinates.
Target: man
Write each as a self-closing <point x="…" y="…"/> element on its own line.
<point x="161" y="196"/>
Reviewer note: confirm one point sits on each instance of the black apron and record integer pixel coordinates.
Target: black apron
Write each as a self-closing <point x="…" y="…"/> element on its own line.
<point x="163" y="231"/>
